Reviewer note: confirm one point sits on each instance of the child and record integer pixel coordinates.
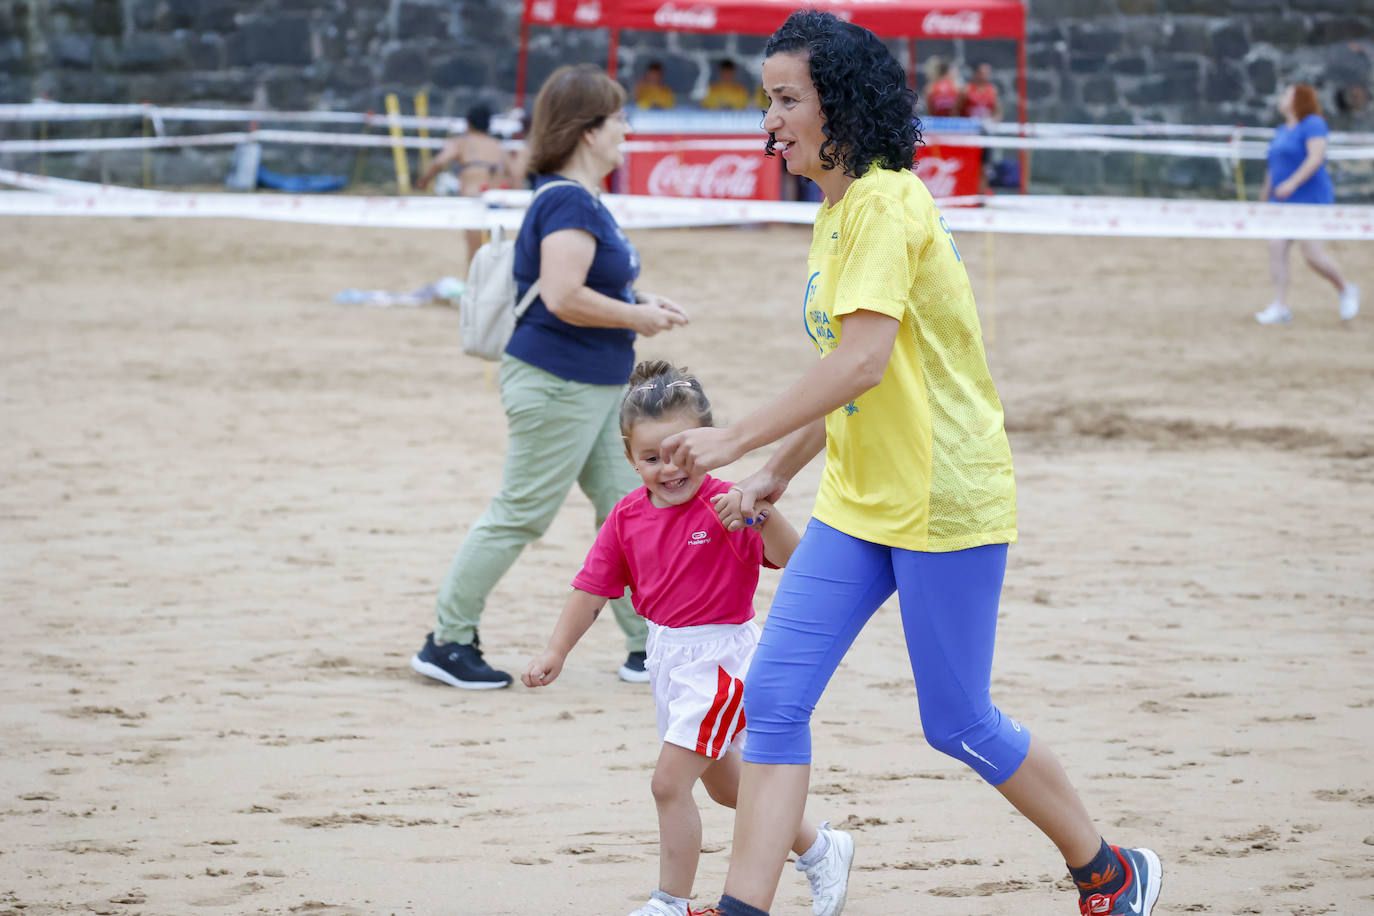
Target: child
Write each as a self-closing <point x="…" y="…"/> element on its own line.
<point x="694" y="582"/>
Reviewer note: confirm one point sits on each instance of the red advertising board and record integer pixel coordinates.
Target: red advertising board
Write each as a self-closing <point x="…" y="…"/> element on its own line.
<point x="675" y="166"/>
<point x="949" y="171"/>
<point x="888" y="18"/>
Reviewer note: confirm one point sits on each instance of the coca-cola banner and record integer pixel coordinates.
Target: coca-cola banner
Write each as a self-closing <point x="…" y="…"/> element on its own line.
<point x="949" y="171"/>
<point x="889" y="18"/>
<point x="669" y="172"/>
<point x="587" y="14"/>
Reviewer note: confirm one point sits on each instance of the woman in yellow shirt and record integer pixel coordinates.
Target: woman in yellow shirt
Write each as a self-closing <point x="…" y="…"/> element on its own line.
<point x="917" y="495"/>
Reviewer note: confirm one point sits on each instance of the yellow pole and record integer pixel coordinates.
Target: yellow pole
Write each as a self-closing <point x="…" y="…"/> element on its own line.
<point x="398" y="152"/>
<point x="147" y="158"/>
<point x="358" y="158"/>
<point x="422" y="109"/>
<point x="1239" y="167"/>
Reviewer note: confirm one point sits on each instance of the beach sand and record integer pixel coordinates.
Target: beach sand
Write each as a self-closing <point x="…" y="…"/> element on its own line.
<point x="227" y="502"/>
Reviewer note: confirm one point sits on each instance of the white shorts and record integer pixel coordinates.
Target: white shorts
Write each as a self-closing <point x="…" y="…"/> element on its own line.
<point x="697" y="675"/>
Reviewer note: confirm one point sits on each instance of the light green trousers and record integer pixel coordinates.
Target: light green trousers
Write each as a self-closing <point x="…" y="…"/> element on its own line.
<point x="561" y="433"/>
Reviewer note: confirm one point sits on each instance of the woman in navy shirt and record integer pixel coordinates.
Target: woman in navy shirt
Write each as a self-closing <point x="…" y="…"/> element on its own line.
<point x="564" y="371"/>
<point x="1297" y="175"/>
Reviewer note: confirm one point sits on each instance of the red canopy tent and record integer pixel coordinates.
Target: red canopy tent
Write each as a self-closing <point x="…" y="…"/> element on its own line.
<point x="910" y="19"/>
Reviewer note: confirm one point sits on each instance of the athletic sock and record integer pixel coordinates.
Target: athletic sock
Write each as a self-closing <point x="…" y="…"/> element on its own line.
<point x="815" y="853"/>
<point x="729" y="906"/>
<point x="1103" y="875"/>
<point x="677" y="903"/>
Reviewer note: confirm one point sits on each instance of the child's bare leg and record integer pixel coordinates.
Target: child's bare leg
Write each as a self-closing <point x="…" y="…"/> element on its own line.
<point x="721" y="780"/>
<point x="679" y="822"/>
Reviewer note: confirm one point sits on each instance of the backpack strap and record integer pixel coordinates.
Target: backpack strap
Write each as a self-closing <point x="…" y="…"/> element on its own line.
<point x="528" y="299"/>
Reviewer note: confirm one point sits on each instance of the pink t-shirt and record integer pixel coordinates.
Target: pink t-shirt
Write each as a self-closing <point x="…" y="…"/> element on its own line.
<point x="682" y="567"/>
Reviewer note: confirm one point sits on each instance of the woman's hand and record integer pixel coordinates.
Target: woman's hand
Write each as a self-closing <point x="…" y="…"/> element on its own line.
<point x="659" y="313"/>
<point x="702" y="449"/>
<point x="739" y="507"/>
<point x="1285" y="189"/>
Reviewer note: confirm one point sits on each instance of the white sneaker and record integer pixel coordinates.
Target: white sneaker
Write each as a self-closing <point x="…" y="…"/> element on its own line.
<point x="1275" y="313"/>
<point x="829" y="877"/>
<point x="1350" y="301"/>
<point x="660" y="904"/>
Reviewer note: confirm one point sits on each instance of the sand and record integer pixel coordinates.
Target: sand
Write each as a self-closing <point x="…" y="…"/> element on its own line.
<point x="227" y="502"/>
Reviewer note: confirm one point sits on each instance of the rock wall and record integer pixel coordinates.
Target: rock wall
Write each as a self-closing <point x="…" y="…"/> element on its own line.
<point x="1114" y="61"/>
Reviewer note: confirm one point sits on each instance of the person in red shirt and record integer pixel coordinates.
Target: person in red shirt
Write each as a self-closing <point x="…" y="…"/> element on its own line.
<point x="981" y="102"/>
<point x="943" y="97"/>
<point x="694" y="581"/>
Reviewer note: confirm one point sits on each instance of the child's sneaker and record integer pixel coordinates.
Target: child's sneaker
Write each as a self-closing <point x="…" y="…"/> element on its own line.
<point x="634" y="670"/>
<point x="1137" y="896"/>
<point x="829" y="877"/>
<point x="1350" y="301"/>
<point x="660" y="904"/>
<point x="458" y="665"/>
<point x="1274" y="313"/>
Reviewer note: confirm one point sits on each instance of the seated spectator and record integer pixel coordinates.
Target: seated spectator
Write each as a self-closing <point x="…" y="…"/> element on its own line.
<point x="727" y="92"/>
<point x="650" y="91"/>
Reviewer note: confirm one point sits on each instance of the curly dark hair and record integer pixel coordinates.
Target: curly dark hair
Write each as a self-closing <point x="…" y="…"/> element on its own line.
<point x="870" y="112"/>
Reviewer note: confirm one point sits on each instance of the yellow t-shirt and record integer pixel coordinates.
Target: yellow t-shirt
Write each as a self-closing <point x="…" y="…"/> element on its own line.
<point x="728" y="96"/>
<point x="648" y="95"/>
<point x="920" y="461"/>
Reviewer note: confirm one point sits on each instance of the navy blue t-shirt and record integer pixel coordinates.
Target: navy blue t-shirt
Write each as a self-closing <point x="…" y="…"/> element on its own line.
<point x="594" y="356"/>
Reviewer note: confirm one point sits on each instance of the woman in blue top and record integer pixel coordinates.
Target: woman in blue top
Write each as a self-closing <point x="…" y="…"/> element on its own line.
<point x="564" y="372"/>
<point x="1297" y="175"/>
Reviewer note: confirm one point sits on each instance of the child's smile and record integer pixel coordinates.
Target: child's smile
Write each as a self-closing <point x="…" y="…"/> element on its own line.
<point x="667" y="484"/>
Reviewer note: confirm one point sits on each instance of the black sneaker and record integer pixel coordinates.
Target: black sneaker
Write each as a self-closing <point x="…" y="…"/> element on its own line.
<point x="459" y="665"/>
<point x="633" y="670"/>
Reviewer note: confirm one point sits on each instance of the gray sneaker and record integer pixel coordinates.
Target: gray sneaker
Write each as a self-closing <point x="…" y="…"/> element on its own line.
<point x="829" y="878"/>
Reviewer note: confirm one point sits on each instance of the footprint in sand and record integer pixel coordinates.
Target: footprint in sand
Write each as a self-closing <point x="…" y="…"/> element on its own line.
<point x="986" y="889"/>
<point x="232" y="897"/>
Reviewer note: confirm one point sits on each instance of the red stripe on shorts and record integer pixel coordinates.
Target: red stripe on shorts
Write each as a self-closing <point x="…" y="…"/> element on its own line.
<point x="728" y="717"/>
<point x="708" y="722"/>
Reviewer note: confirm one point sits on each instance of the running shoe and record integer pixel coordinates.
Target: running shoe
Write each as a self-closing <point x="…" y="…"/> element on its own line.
<point x="1138" y="895"/>
<point x="1274" y="313"/>
<point x="634" y="670"/>
<point x="1350" y="301"/>
<point x="660" y="904"/>
<point x="829" y="878"/>
<point x="458" y="665"/>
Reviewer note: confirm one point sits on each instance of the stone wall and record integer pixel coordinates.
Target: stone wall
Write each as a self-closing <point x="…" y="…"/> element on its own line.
<point x="1114" y="61"/>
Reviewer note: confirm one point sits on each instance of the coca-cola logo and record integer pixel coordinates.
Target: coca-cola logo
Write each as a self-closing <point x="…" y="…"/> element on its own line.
<point x="727" y="175"/>
<point x="588" y="13"/>
<point x="543" y="10"/>
<point x="670" y="16"/>
<point x="964" y="22"/>
<point x="941" y="176"/>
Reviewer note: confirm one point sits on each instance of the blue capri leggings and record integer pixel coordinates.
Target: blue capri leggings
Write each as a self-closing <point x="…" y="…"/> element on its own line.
<point x="829" y="589"/>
